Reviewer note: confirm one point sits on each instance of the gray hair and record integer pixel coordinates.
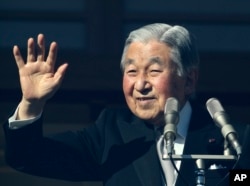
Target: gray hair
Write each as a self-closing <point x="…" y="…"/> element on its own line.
<point x="183" y="50"/>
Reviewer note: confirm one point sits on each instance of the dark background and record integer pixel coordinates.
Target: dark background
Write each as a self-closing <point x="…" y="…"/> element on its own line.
<point x="91" y="34"/>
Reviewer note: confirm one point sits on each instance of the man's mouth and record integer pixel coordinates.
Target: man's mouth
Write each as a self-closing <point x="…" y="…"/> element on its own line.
<point x="144" y="98"/>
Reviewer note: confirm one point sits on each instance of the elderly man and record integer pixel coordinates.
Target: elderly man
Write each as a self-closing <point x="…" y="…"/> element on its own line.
<point x="159" y="61"/>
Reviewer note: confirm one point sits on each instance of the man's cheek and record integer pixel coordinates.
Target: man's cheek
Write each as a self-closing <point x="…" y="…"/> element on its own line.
<point x="127" y="85"/>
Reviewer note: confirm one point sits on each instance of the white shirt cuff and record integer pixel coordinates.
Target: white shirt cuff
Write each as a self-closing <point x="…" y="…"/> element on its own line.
<point x="16" y="124"/>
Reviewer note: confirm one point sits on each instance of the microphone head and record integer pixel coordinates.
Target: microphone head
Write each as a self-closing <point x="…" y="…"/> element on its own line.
<point x="171" y="114"/>
<point x="221" y="119"/>
<point x="217" y="112"/>
<point x="171" y="111"/>
<point x="171" y="105"/>
<point x="213" y="106"/>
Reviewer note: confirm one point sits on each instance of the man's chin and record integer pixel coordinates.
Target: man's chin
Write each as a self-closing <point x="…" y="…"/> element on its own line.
<point x="152" y="119"/>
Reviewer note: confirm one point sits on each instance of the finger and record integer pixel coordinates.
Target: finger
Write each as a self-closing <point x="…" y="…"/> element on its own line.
<point x="60" y="73"/>
<point x="51" y="59"/>
<point x="40" y="47"/>
<point x="18" y="57"/>
<point x="31" y="50"/>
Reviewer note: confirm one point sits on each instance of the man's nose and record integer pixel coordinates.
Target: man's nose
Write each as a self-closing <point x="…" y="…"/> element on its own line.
<point x="142" y="83"/>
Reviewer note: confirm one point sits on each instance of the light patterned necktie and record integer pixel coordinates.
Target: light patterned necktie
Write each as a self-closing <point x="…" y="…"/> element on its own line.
<point x="167" y="167"/>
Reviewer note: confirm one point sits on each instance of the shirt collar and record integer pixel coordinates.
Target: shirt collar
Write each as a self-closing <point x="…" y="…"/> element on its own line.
<point x="184" y="119"/>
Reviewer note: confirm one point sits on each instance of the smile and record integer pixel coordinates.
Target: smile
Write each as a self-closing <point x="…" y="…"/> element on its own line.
<point x="145" y="98"/>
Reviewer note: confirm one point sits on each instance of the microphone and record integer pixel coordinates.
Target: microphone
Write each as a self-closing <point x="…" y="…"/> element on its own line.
<point x="221" y="119"/>
<point x="171" y="116"/>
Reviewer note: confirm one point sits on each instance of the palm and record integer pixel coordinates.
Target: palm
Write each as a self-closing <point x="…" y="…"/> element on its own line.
<point x="38" y="79"/>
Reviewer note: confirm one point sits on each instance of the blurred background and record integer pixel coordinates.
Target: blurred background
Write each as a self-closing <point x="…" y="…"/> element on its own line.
<point x="91" y="34"/>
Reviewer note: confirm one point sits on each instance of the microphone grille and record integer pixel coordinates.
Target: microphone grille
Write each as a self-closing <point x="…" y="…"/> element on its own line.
<point x="213" y="106"/>
<point x="171" y="105"/>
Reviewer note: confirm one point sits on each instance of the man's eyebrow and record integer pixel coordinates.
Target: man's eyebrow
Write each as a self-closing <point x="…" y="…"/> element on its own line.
<point x="156" y="60"/>
<point x="152" y="60"/>
<point x="128" y="62"/>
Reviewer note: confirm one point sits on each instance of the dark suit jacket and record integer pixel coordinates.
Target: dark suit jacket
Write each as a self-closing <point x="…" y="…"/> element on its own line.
<point x="120" y="150"/>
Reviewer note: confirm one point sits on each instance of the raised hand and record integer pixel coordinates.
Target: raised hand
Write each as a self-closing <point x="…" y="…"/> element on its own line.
<point x="38" y="77"/>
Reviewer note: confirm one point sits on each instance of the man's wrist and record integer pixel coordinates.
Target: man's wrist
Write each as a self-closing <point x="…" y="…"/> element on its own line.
<point x="16" y="124"/>
<point x="27" y="110"/>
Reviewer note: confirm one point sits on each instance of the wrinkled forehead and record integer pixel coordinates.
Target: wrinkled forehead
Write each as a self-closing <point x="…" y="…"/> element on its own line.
<point x="153" y="52"/>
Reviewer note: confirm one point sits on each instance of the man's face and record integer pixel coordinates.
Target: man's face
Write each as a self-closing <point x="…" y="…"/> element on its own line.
<point x="149" y="79"/>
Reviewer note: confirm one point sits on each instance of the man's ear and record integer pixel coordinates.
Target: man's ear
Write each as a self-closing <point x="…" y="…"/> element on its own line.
<point x="191" y="81"/>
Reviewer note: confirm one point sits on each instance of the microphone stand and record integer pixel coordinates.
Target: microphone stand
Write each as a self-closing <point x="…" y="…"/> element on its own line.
<point x="200" y="172"/>
<point x="200" y="161"/>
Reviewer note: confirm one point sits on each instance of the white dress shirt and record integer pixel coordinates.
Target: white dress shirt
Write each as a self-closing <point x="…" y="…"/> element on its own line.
<point x="182" y="128"/>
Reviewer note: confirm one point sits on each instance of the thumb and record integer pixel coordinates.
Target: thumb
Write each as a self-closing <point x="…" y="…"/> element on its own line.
<point x="59" y="74"/>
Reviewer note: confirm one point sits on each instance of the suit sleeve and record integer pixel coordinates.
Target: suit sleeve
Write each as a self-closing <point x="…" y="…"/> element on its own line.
<point x="244" y="134"/>
<point x="64" y="156"/>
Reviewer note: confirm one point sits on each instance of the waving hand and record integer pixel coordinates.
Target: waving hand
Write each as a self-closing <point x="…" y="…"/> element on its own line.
<point x="38" y="77"/>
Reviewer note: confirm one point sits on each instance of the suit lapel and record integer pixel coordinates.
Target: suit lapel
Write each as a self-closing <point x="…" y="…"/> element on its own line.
<point x="146" y="163"/>
<point x="203" y="138"/>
